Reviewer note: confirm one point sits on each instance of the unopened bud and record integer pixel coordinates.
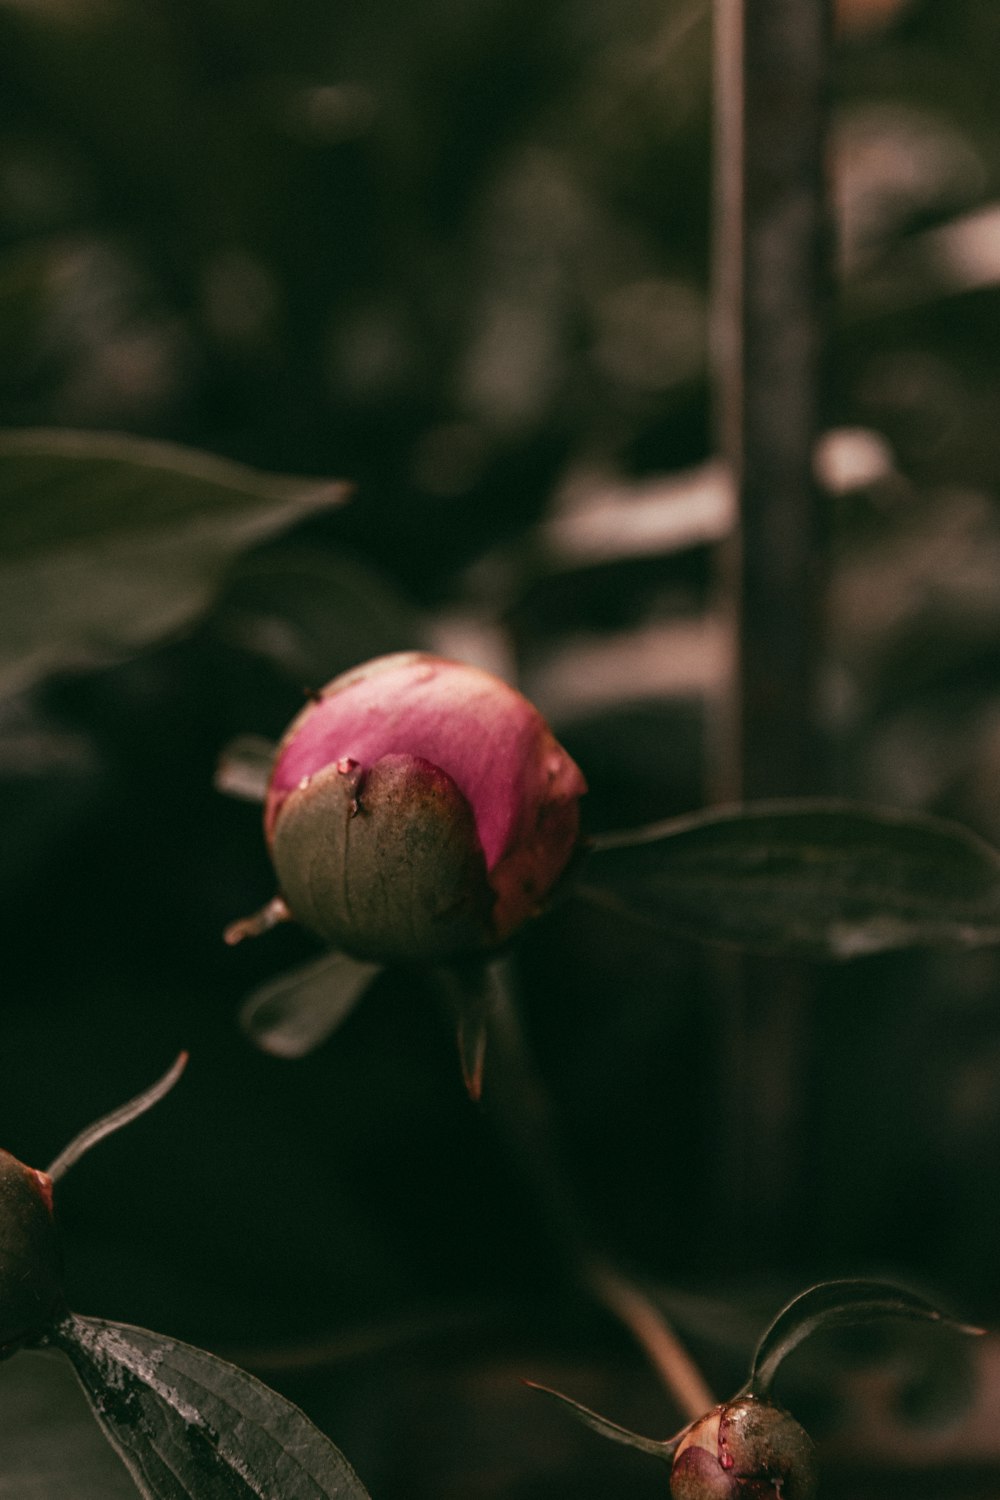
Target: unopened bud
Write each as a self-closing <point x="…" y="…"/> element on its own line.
<point x="418" y="810"/>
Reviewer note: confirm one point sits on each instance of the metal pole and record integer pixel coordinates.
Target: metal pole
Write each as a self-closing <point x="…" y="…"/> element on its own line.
<point x="771" y="301"/>
<point x="770" y="306"/>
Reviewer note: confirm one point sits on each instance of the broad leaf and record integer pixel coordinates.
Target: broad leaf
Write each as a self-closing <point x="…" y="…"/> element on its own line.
<point x="108" y="542"/>
<point x="293" y="1014"/>
<point x="188" y="1426"/>
<point x="610" y="1429"/>
<point x="813" y="878"/>
<point x="834" y="1304"/>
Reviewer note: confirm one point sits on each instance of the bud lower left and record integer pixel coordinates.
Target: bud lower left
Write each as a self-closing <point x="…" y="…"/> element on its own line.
<point x="31" y="1285"/>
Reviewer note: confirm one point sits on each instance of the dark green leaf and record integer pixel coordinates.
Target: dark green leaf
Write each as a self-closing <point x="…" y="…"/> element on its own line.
<point x="834" y="1304"/>
<point x="294" y="1013"/>
<point x="108" y="542"/>
<point x="813" y="878"/>
<point x="188" y="1426"/>
<point x="610" y="1429"/>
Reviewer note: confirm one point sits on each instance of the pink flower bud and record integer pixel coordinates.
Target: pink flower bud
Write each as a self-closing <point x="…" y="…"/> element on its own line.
<point x="744" y="1450"/>
<point x="30" y="1259"/>
<point x="419" y="810"/>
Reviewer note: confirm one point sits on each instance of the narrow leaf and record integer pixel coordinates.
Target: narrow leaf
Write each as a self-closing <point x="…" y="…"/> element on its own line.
<point x="609" y="1429"/>
<point x="834" y="1304"/>
<point x="189" y="1426"/>
<point x="292" y="1015"/>
<point x="820" y="879"/>
<point x="109" y="542"/>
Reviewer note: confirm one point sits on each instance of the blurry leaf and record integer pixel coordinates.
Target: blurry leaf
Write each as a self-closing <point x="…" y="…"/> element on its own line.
<point x="314" y="614"/>
<point x="244" y="767"/>
<point x="834" y="1304"/>
<point x="190" y="1426"/>
<point x="291" y="1015"/>
<point x="813" y="878"/>
<point x="610" y="1429"/>
<point x="108" y="542"/>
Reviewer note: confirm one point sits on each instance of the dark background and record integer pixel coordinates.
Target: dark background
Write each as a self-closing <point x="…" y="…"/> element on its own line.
<point x="458" y="255"/>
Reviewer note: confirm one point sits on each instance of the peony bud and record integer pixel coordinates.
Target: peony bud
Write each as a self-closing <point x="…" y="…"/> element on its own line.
<point x="30" y="1261"/>
<point x="744" y="1450"/>
<point x="419" y="810"/>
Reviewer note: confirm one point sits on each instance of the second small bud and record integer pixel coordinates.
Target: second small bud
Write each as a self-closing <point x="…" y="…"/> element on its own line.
<point x="746" y="1449"/>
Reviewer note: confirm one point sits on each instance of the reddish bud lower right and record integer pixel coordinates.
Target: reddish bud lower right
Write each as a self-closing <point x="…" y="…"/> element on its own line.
<point x="746" y="1449"/>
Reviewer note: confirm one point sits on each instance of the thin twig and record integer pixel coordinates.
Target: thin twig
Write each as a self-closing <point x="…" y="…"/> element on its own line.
<point x="123" y="1115"/>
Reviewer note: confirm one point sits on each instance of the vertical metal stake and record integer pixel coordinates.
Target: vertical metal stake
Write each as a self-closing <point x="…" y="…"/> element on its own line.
<point x="771" y="296"/>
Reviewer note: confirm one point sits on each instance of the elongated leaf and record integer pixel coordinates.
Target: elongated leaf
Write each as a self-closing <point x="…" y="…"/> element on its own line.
<point x="610" y="1429"/>
<point x="834" y="1304"/>
<point x="108" y="542"/>
<point x="189" y="1426"/>
<point x="294" y="1013"/>
<point x="814" y="878"/>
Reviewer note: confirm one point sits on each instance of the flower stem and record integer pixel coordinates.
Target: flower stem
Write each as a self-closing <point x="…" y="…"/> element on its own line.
<point x="517" y="1097"/>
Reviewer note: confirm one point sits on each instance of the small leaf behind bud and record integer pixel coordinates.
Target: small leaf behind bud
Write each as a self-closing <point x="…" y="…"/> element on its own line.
<point x="291" y="1015"/>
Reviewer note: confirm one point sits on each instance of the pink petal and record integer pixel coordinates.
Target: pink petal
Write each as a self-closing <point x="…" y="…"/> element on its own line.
<point x="496" y="747"/>
<point x="491" y="741"/>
